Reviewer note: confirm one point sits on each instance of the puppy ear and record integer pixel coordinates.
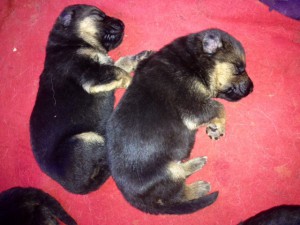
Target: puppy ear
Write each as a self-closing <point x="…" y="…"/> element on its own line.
<point x="66" y="17"/>
<point x="211" y="42"/>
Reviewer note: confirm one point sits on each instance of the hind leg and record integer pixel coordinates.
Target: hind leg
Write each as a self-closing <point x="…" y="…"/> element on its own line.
<point x="180" y="171"/>
<point x="196" y="190"/>
<point x="199" y="188"/>
<point x="81" y="164"/>
<point x="193" y="165"/>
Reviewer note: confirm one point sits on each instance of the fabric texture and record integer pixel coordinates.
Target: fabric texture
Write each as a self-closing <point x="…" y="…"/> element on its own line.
<point x="255" y="166"/>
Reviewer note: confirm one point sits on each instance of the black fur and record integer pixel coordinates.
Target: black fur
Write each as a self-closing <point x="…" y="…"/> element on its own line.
<point x="63" y="109"/>
<point x="278" y="215"/>
<point x="31" y="206"/>
<point x="146" y="131"/>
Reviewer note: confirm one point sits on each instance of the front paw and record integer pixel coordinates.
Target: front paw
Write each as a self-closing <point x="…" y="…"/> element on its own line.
<point x="129" y="63"/>
<point x="143" y="55"/>
<point x="215" y="130"/>
<point x="125" y="81"/>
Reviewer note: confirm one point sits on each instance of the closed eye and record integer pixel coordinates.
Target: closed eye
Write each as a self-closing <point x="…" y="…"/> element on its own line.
<point x="99" y="15"/>
<point x="239" y="68"/>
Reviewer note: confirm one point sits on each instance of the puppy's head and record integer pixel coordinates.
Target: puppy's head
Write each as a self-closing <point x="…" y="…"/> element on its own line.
<point x="91" y="26"/>
<point x="228" y="77"/>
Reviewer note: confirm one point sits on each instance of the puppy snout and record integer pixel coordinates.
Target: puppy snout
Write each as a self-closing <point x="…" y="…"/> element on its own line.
<point x="245" y="88"/>
<point x="117" y="26"/>
<point x="251" y="86"/>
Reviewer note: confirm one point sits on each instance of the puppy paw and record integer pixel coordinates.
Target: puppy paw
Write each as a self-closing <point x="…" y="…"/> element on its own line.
<point x="203" y="187"/>
<point x="197" y="190"/>
<point x="143" y="55"/>
<point x="129" y="63"/>
<point x="125" y="81"/>
<point x="215" y="130"/>
<point x="193" y="165"/>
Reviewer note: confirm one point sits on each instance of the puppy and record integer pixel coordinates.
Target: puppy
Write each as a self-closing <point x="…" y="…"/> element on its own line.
<point x="153" y="128"/>
<point x="31" y="206"/>
<point x="76" y="97"/>
<point x="279" y="215"/>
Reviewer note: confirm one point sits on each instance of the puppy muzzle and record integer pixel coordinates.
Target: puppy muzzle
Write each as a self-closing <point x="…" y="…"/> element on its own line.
<point x="114" y="32"/>
<point x="237" y="91"/>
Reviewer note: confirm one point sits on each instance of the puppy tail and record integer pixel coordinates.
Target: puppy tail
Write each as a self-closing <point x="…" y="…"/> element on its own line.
<point x="190" y="206"/>
<point x="53" y="206"/>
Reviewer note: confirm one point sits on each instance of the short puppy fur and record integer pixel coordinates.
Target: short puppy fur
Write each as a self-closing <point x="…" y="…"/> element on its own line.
<point x="152" y="130"/>
<point x="31" y="206"/>
<point x="278" y="215"/>
<point x="76" y="97"/>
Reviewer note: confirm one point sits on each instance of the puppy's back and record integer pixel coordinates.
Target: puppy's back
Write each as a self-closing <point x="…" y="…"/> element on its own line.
<point x="31" y="206"/>
<point x="145" y="135"/>
<point x="279" y="215"/>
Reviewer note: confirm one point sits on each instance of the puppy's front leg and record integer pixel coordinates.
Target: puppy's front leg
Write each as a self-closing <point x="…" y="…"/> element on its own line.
<point x="120" y="79"/>
<point x="216" y="127"/>
<point x="129" y="63"/>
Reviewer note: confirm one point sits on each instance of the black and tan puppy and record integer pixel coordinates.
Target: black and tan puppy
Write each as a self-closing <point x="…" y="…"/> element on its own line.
<point x="31" y="206"/>
<point x="278" y="215"/>
<point x="76" y="97"/>
<point x="153" y="128"/>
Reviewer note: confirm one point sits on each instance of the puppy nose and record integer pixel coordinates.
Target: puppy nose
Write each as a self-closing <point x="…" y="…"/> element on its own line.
<point x="251" y="86"/>
<point x="244" y="88"/>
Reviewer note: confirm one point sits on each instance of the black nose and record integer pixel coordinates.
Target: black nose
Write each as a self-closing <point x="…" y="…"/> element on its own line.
<point x="244" y="88"/>
<point x="250" y="87"/>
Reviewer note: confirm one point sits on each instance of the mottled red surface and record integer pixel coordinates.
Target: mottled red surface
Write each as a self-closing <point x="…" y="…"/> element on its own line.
<point x="255" y="166"/>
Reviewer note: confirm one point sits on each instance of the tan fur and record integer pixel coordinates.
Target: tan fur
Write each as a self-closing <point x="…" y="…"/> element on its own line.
<point x="180" y="171"/>
<point x="221" y="76"/>
<point x="197" y="86"/>
<point x="220" y="124"/>
<point x="123" y="80"/>
<point x="90" y="137"/>
<point x="176" y="171"/>
<point x="94" y="89"/>
<point x="95" y="55"/>
<point x="196" y="190"/>
<point x="87" y="31"/>
<point x="217" y="123"/>
<point x="127" y="63"/>
<point x="190" y="123"/>
<point x="193" y="165"/>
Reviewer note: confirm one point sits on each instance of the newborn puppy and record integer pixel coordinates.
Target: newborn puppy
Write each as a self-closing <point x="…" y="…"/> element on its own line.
<point x="279" y="215"/>
<point x="153" y="128"/>
<point x="76" y="97"/>
<point x="31" y="206"/>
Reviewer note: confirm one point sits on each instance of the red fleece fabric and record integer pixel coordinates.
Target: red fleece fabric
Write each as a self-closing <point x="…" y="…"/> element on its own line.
<point x="254" y="167"/>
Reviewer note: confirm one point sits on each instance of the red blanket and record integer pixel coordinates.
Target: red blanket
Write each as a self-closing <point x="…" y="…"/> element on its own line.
<point x="255" y="166"/>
